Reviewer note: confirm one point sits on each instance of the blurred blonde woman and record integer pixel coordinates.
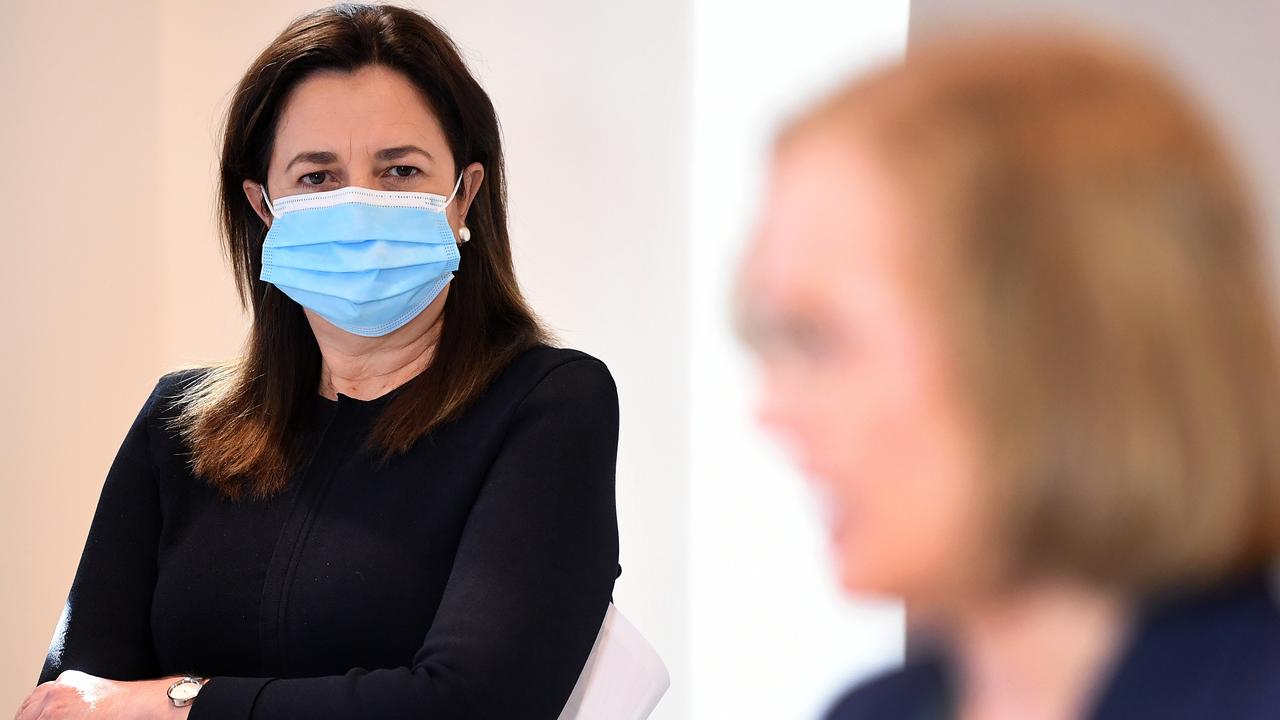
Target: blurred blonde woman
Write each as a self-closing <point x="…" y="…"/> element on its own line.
<point x="1014" y="321"/>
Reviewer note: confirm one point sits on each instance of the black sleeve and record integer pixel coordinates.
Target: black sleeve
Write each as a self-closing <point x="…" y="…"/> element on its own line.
<point x="529" y="588"/>
<point x="105" y="627"/>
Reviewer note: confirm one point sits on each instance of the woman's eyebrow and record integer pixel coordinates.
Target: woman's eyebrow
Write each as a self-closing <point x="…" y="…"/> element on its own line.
<point x="399" y="152"/>
<point x="323" y="157"/>
<point x="319" y="157"/>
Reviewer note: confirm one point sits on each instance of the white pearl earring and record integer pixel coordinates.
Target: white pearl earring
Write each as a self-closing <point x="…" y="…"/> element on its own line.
<point x="464" y="233"/>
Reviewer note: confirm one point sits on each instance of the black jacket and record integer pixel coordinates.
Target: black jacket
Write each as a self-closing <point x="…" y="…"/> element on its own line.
<point x="467" y="578"/>
<point x="1208" y="655"/>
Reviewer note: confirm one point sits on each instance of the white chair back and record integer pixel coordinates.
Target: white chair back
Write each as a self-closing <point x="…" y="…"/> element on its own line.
<point x="623" y="679"/>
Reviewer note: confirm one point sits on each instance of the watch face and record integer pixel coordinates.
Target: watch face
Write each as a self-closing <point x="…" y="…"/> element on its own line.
<point x="185" y="691"/>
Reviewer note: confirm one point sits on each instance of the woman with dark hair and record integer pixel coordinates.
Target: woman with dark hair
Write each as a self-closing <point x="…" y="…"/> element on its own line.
<point x="1016" y="322"/>
<point x="398" y="501"/>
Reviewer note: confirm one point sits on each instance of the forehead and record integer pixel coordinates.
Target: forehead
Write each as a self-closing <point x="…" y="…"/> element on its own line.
<point x="373" y="107"/>
<point x="831" y="217"/>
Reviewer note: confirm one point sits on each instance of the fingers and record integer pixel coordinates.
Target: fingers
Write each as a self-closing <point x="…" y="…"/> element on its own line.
<point x="30" y="708"/>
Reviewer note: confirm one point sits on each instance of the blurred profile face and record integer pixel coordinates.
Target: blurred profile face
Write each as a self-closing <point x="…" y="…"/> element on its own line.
<point x="856" y="378"/>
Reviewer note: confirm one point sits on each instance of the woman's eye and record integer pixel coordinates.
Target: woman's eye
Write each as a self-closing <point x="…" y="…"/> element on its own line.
<point x="315" y="178"/>
<point x="403" y="171"/>
<point x="808" y="341"/>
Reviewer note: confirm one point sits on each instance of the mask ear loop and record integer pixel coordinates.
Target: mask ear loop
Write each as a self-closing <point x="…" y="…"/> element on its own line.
<point x="267" y="200"/>
<point x="453" y="194"/>
<point x="463" y="233"/>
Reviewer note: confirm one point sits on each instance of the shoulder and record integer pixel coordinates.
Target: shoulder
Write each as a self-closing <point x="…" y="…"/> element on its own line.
<point x="170" y="388"/>
<point x="545" y="389"/>
<point x="1214" y="652"/>
<point x="901" y="693"/>
<point x="543" y="371"/>
<point x="540" y="360"/>
<point x="177" y="381"/>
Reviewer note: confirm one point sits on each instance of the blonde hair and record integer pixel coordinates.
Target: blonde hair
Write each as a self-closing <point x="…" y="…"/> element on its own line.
<point x="1102" y="282"/>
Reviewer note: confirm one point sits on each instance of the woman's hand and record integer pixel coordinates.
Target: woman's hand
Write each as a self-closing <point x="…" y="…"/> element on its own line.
<point x="75" y="694"/>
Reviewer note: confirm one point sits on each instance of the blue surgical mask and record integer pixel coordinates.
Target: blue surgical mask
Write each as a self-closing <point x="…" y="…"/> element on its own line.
<point x="368" y="261"/>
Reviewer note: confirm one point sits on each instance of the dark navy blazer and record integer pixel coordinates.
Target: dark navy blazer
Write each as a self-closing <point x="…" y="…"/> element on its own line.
<point x="1214" y="654"/>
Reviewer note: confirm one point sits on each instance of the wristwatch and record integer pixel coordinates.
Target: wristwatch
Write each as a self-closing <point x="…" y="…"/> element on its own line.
<point x="184" y="691"/>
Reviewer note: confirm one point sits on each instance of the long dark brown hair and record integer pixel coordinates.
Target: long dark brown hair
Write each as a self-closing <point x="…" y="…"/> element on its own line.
<point x="241" y="419"/>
